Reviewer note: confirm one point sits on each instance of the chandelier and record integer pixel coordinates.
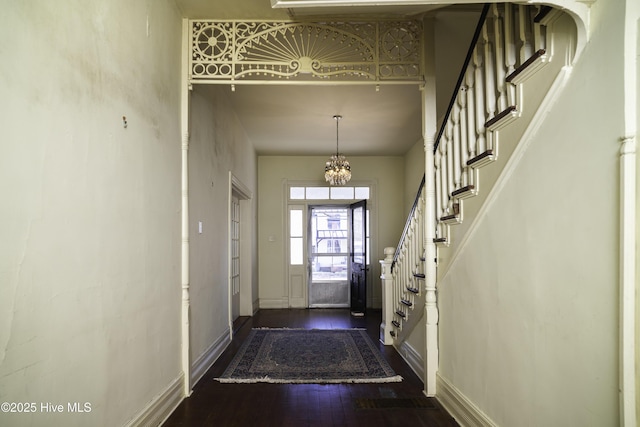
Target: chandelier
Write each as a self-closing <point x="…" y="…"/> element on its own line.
<point x="337" y="170"/>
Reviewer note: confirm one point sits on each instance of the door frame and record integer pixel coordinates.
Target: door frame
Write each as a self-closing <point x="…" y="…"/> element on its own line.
<point x="303" y="203"/>
<point x="245" y="198"/>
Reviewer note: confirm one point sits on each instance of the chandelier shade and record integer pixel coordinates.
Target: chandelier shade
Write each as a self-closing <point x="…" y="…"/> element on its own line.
<point x="337" y="170"/>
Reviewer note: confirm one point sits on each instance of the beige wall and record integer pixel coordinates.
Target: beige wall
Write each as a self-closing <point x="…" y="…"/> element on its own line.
<point x="217" y="146"/>
<point x="414" y="172"/>
<point x="386" y="174"/>
<point x="529" y="307"/>
<point x="453" y="34"/>
<point x="90" y="216"/>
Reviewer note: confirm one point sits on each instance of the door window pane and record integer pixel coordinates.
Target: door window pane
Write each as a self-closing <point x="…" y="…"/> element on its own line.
<point x="342" y="193"/>
<point x="296" y="193"/>
<point x="358" y="237"/>
<point x="368" y="240"/>
<point x="329" y="193"/>
<point x="296" y="223"/>
<point x="328" y="268"/>
<point x="296" y="230"/>
<point x="320" y="193"/>
<point x="296" y="250"/>
<point x="362" y="193"/>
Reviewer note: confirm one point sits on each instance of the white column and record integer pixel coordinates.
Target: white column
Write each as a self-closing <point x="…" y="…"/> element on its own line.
<point x="628" y="329"/>
<point x="387" y="296"/>
<point x="629" y="255"/>
<point x="429" y="131"/>
<point x="431" y="306"/>
<point x="184" y="125"/>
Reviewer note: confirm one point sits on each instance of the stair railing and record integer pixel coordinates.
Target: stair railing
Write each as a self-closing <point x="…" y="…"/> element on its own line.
<point x="403" y="296"/>
<point x="508" y="45"/>
<point x="508" y="40"/>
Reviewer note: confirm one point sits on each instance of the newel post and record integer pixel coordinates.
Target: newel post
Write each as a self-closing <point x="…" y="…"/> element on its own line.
<point x="387" y="296"/>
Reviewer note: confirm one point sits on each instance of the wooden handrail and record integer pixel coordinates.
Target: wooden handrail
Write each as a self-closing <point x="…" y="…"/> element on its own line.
<point x="474" y="41"/>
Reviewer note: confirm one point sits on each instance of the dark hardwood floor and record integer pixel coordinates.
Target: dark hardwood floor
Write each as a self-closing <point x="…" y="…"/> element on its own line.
<point x="216" y="404"/>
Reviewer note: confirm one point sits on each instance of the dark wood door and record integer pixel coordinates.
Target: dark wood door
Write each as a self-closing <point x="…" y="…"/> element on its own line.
<point x="358" y="257"/>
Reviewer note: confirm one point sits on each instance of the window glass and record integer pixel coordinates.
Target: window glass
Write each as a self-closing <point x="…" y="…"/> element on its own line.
<point x="326" y="193"/>
<point x="362" y="193"/>
<point x="296" y="250"/>
<point x="295" y="223"/>
<point x="342" y="193"/>
<point x="296" y="193"/>
<point x="368" y="239"/>
<point x="329" y="268"/>
<point x="321" y="193"/>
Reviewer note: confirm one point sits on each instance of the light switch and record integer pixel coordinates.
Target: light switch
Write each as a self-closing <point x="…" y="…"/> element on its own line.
<point x="199" y="227"/>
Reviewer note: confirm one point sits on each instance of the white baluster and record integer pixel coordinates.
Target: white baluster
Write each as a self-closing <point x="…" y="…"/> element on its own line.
<point x="471" y="112"/>
<point x="444" y="197"/>
<point x="480" y="109"/>
<point x="524" y="22"/>
<point x="412" y="248"/>
<point x="464" y="152"/>
<point x="449" y="165"/>
<point x="510" y="49"/>
<point x="489" y="73"/>
<point x="437" y="157"/>
<point x="457" y="170"/>
<point x="500" y="61"/>
<point x="539" y="34"/>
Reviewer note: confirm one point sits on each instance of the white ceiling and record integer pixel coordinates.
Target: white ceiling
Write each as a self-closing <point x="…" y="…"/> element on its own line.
<point x="298" y="120"/>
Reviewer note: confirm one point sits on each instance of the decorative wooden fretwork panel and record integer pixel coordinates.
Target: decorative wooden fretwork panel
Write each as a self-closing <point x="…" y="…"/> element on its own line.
<point x="233" y="51"/>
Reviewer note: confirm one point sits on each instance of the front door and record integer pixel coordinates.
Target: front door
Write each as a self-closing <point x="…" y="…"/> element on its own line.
<point x="358" y="257"/>
<point x="328" y="252"/>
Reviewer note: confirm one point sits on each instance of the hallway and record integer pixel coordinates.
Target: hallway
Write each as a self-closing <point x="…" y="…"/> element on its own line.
<point x="216" y="404"/>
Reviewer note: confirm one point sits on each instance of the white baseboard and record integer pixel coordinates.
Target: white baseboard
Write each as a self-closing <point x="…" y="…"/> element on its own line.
<point x="413" y="359"/>
<point x="206" y="359"/>
<point x="459" y="406"/>
<point x="273" y="303"/>
<point x="163" y="405"/>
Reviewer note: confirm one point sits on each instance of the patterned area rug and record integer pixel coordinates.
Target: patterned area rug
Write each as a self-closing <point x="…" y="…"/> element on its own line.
<point x="308" y="356"/>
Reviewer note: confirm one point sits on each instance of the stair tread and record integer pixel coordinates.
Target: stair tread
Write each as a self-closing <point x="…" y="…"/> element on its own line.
<point x="401" y="314"/>
<point x="453" y="216"/>
<point x="419" y="275"/>
<point x="462" y="190"/>
<point x="479" y="157"/>
<point x="395" y="323"/>
<point x="406" y="302"/>
<point x="500" y="116"/>
<point x="414" y="290"/>
<point x="527" y="63"/>
<point x="448" y="217"/>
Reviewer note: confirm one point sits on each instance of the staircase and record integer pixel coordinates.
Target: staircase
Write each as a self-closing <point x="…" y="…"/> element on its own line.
<point x="496" y="89"/>
<point x="407" y="270"/>
<point x="507" y="82"/>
